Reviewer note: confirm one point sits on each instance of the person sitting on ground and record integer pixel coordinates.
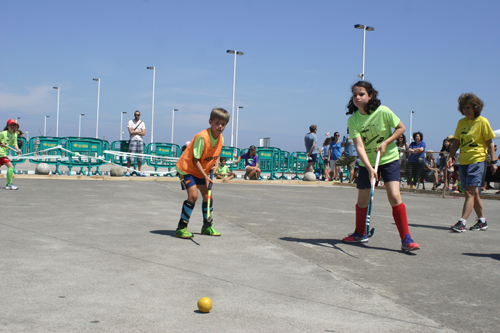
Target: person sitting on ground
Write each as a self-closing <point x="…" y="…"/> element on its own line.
<point x="251" y="163"/>
<point x="223" y="171"/>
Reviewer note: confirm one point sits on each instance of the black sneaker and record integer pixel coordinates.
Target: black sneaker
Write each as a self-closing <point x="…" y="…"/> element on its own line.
<point x="479" y="226"/>
<point x="458" y="227"/>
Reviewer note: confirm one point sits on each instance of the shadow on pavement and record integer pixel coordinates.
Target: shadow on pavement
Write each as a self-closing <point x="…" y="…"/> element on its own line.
<point x="495" y="256"/>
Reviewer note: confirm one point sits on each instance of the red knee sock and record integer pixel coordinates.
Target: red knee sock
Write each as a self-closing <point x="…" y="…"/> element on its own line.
<point x="361" y="220"/>
<point x="401" y="219"/>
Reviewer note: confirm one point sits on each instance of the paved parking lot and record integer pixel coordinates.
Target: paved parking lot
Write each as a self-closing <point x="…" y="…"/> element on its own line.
<point x="100" y="256"/>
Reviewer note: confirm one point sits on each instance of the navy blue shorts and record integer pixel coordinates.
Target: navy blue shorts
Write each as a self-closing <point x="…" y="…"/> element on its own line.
<point x="312" y="158"/>
<point x="188" y="181"/>
<point x="472" y="174"/>
<point x="390" y="173"/>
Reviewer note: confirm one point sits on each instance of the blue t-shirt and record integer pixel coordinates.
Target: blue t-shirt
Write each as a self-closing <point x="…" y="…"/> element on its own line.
<point x="250" y="160"/>
<point x="414" y="157"/>
<point x="349" y="148"/>
<point x="310" y="139"/>
<point x="335" y="150"/>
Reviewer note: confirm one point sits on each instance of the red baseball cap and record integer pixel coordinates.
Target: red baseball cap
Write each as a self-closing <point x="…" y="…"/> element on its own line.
<point x="12" y="121"/>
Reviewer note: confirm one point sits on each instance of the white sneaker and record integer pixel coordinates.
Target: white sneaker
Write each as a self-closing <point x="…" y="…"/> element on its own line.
<point x="127" y="174"/>
<point x="246" y="178"/>
<point x="11" y="187"/>
<point x="142" y="174"/>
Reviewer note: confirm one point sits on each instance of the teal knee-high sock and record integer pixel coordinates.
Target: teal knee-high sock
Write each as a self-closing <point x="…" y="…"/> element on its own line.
<point x="10" y="172"/>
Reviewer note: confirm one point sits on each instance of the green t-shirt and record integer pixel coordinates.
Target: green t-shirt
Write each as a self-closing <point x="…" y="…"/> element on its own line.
<point x="199" y="147"/>
<point x="223" y="170"/>
<point x="473" y="135"/>
<point x="374" y="129"/>
<point x="9" y="140"/>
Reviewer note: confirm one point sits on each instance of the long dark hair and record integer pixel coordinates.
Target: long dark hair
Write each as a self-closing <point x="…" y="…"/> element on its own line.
<point x="372" y="105"/>
<point x="444" y="147"/>
<point x="403" y="143"/>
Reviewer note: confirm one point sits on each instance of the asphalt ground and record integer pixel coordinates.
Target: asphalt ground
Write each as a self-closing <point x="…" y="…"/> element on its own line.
<point x="101" y="256"/>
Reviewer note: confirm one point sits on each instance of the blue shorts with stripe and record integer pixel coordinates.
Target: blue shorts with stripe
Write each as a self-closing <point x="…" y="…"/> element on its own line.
<point x="188" y="181"/>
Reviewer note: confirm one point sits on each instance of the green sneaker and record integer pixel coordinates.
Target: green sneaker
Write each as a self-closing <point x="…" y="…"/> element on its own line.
<point x="210" y="231"/>
<point x="183" y="233"/>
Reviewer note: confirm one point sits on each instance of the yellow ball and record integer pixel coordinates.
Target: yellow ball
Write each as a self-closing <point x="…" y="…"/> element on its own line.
<point x="205" y="304"/>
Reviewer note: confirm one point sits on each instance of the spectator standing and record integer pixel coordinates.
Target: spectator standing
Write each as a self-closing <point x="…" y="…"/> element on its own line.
<point x="416" y="159"/>
<point x="310" y="141"/>
<point x="137" y="130"/>
<point x="473" y="135"/>
<point x="348" y="158"/>
<point x="325" y="151"/>
<point x="335" y="153"/>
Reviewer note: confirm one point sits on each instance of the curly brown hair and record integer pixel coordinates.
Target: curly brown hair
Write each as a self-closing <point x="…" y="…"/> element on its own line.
<point x="470" y="98"/>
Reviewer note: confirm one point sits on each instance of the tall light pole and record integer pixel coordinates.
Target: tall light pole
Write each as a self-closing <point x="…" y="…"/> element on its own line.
<point x="237" y="127"/>
<point x="45" y="126"/>
<point x="97" y="116"/>
<point x="80" y="124"/>
<point x="173" y="110"/>
<point x="411" y="126"/>
<point x="57" y="112"/>
<point x="234" y="89"/>
<point x="365" y="28"/>
<point x="152" y="104"/>
<point x="121" y="123"/>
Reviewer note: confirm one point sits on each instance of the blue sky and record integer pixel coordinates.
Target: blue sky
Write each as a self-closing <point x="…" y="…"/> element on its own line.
<point x="301" y="57"/>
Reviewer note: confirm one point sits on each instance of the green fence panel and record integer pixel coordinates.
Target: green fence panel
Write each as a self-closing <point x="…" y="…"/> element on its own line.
<point x="269" y="159"/>
<point x="163" y="150"/>
<point x="41" y="143"/>
<point x="123" y="147"/>
<point x="230" y="153"/>
<point x="87" y="153"/>
<point x="298" y="163"/>
<point x="284" y="164"/>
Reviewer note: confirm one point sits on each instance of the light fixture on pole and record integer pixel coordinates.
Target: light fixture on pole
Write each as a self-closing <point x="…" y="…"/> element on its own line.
<point x="152" y="104"/>
<point x="17" y="118"/>
<point x="121" y="123"/>
<point x="365" y="29"/>
<point x="173" y="110"/>
<point x="97" y="116"/>
<point x="45" y="126"/>
<point x="411" y="126"/>
<point x="234" y="89"/>
<point x="80" y="124"/>
<point x="57" y="112"/>
<point x="237" y="127"/>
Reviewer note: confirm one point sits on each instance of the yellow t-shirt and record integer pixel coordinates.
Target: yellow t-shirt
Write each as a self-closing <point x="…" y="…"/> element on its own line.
<point x="473" y="135"/>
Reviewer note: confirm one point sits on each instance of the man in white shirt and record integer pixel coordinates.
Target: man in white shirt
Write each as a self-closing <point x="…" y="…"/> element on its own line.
<point x="137" y="130"/>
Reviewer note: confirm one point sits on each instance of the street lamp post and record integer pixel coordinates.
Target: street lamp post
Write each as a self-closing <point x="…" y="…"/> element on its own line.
<point x="57" y="112"/>
<point x="411" y="126"/>
<point x="234" y="89"/>
<point x="152" y="104"/>
<point x="365" y="28"/>
<point x="80" y="124"/>
<point x="173" y="110"/>
<point x="237" y="127"/>
<point x="45" y="126"/>
<point x="121" y="123"/>
<point x="97" y="116"/>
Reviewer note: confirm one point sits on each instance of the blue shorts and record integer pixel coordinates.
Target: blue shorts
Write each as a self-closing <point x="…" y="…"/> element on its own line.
<point x="312" y="158"/>
<point x="188" y="181"/>
<point x="390" y="173"/>
<point x="472" y="174"/>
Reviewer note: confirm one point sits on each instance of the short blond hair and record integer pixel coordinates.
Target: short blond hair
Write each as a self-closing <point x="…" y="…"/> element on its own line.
<point x="220" y="113"/>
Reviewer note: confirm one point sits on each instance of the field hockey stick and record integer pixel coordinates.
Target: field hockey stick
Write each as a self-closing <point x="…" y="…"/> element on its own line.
<point x="369" y="232"/>
<point x="209" y="194"/>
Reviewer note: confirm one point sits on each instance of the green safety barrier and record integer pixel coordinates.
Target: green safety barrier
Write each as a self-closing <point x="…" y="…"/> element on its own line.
<point x="284" y="164"/>
<point x="269" y="158"/>
<point x="39" y="143"/>
<point x="230" y="153"/>
<point x="163" y="149"/>
<point x="13" y="154"/>
<point x="88" y="153"/>
<point x="298" y="163"/>
<point x="123" y="147"/>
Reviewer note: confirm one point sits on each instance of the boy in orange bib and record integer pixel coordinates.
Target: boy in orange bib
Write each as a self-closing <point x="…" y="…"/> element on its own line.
<point x="201" y="155"/>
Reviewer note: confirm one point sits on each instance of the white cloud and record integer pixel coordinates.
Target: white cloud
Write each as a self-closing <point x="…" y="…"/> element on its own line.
<point x="33" y="100"/>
